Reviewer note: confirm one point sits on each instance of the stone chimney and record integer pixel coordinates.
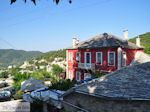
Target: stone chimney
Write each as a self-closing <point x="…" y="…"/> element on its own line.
<point x="125" y="35"/>
<point x="75" y="42"/>
<point x="138" y="41"/>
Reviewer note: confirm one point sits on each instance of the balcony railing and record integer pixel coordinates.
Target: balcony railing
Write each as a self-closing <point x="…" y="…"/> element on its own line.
<point x="86" y="65"/>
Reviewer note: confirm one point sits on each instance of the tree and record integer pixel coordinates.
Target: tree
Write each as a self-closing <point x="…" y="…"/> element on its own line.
<point x="34" y="1"/>
<point x="56" y="70"/>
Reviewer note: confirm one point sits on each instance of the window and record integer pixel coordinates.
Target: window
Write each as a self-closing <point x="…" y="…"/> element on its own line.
<point x="78" y="76"/>
<point x="124" y="59"/>
<point x="99" y="59"/>
<point x="70" y="56"/>
<point x="111" y="58"/>
<point x="87" y="76"/>
<point x="70" y="75"/>
<point x="78" y="57"/>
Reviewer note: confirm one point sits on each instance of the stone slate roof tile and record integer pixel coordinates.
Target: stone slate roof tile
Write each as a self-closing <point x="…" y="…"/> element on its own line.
<point x="104" y="40"/>
<point x="127" y="83"/>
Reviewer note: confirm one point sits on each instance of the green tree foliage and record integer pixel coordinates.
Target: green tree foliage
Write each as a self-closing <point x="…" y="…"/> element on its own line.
<point x="18" y="78"/>
<point x="4" y="75"/>
<point x="18" y="95"/>
<point x="56" y="70"/>
<point x="145" y="41"/>
<point x="50" y="56"/>
<point x="62" y="84"/>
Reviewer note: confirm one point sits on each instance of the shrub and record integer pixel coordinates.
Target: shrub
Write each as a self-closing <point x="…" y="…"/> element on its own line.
<point x="4" y="75"/>
<point x="18" y="95"/>
<point x="56" y="70"/>
<point x="63" y="84"/>
<point x="18" y="78"/>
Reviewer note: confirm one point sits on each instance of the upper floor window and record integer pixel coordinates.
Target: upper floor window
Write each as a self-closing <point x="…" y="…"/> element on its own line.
<point x="78" y="60"/>
<point x="111" y="58"/>
<point x="70" y="74"/>
<point x="70" y="57"/>
<point x="124" y="58"/>
<point x="99" y="58"/>
<point x="78" y="75"/>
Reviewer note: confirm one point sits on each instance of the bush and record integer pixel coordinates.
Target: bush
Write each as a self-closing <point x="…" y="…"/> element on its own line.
<point x="18" y="78"/>
<point x="63" y="84"/>
<point x="56" y="70"/>
<point x="4" y="75"/>
<point x="18" y="95"/>
<point x="97" y="75"/>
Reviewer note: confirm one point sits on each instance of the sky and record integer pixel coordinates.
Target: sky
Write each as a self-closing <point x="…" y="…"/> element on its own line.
<point x="46" y="26"/>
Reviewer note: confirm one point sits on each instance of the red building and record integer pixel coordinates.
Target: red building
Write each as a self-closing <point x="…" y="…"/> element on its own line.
<point x="104" y="53"/>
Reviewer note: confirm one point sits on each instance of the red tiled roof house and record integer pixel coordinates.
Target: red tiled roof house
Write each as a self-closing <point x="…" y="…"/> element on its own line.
<point x="104" y="53"/>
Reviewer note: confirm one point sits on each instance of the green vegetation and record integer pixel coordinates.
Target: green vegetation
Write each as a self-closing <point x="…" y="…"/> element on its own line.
<point x="4" y="75"/>
<point x="18" y="95"/>
<point x="19" y="78"/>
<point x="145" y="41"/>
<point x="50" y="56"/>
<point x="62" y="84"/>
<point x="56" y="70"/>
<point x="97" y="73"/>
<point x="15" y="57"/>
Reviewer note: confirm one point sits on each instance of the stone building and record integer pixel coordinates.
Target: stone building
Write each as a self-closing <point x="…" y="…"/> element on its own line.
<point x="124" y="90"/>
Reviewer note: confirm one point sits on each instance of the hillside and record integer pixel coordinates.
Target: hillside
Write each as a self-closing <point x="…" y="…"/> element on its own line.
<point x="145" y="41"/>
<point x="15" y="57"/>
<point x="50" y="56"/>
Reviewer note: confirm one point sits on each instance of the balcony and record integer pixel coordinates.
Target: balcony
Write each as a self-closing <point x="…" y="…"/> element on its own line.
<point x="86" y="66"/>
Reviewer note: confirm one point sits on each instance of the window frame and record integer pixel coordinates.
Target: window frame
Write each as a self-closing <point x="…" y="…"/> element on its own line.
<point x="70" y="57"/>
<point x="87" y="73"/>
<point x="79" y="57"/>
<point x="87" y="65"/>
<point x="79" y="73"/>
<point x="97" y="58"/>
<point x="109" y="58"/>
<point x="85" y="57"/>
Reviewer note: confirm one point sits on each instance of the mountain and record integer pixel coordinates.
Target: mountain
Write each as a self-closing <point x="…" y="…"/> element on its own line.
<point x="16" y="57"/>
<point x="145" y="41"/>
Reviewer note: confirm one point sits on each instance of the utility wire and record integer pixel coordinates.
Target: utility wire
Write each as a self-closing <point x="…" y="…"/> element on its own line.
<point x="53" y="13"/>
<point x="8" y="43"/>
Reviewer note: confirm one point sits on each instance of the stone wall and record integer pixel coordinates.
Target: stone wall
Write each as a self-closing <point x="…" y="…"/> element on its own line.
<point x="94" y="104"/>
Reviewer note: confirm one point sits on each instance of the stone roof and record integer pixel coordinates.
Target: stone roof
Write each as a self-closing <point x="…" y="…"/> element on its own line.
<point x="128" y="83"/>
<point x="104" y="40"/>
<point x="140" y="57"/>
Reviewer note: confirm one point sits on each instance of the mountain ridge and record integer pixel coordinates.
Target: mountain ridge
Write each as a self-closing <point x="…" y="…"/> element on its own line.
<point x="16" y="57"/>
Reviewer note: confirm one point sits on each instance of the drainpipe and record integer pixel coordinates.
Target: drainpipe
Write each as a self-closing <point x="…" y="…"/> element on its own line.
<point x="119" y="50"/>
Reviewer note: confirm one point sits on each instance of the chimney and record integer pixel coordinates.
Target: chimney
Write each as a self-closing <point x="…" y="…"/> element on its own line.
<point x="75" y="42"/>
<point x="125" y="35"/>
<point x="138" y="41"/>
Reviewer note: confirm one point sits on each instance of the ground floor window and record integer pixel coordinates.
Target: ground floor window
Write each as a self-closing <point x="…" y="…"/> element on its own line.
<point x="70" y="74"/>
<point x="87" y="76"/>
<point x="78" y="75"/>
